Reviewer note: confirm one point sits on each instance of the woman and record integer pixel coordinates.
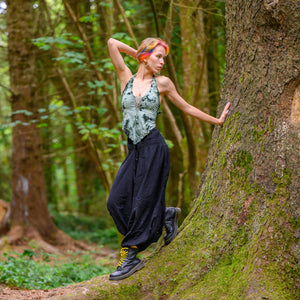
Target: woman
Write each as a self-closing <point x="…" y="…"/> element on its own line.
<point x="137" y="198"/>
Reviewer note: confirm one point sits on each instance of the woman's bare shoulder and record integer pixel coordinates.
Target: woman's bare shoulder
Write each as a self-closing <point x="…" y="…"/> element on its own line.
<point x="163" y="80"/>
<point x="164" y="84"/>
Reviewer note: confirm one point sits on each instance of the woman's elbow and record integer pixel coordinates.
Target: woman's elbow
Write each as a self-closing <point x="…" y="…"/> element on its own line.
<point x="110" y="42"/>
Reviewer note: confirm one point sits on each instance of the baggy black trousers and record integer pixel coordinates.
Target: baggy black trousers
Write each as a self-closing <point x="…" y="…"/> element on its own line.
<point x="137" y="197"/>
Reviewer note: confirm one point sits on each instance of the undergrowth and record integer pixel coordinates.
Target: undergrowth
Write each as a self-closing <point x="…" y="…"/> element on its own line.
<point x="21" y="270"/>
<point x="35" y="269"/>
<point x="89" y="229"/>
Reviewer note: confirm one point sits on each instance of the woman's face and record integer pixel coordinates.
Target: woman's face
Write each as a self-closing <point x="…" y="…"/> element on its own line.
<point x="156" y="60"/>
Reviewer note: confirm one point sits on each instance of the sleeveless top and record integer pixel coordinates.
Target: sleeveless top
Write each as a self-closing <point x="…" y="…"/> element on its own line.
<point x="139" y="113"/>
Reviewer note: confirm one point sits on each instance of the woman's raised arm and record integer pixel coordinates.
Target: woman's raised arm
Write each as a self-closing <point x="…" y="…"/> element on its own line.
<point x="167" y="87"/>
<point x="115" y="48"/>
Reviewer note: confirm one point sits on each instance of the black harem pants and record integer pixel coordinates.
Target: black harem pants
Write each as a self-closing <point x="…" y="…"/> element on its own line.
<point x="137" y="197"/>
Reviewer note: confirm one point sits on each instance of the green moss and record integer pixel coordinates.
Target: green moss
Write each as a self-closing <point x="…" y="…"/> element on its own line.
<point x="271" y="125"/>
<point x="243" y="159"/>
<point x="120" y="291"/>
<point x="236" y="277"/>
<point x="224" y="281"/>
<point x="236" y="241"/>
<point x="238" y="274"/>
<point x="239" y="174"/>
<point x="230" y="132"/>
<point x="229" y="135"/>
<point x="284" y="180"/>
<point x="235" y="255"/>
<point x="260" y="131"/>
<point x="294" y="222"/>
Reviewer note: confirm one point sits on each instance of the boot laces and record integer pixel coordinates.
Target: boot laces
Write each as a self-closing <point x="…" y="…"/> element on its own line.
<point x="124" y="252"/>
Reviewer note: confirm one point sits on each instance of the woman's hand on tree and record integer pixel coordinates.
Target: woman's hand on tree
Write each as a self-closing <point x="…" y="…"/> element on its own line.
<point x="224" y="114"/>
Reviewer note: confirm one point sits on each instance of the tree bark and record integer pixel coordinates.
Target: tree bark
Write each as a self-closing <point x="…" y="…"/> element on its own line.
<point x="240" y="240"/>
<point x="29" y="211"/>
<point x="29" y="202"/>
<point x="84" y="165"/>
<point x="215" y="31"/>
<point x="195" y="85"/>
<point x="171" y="128"/>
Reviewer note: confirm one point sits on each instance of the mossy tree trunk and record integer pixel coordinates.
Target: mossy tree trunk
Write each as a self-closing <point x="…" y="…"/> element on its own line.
<point x="240" y="239"/>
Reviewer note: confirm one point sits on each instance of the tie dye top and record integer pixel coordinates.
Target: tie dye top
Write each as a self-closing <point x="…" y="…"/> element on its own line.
<point x="139" y="113"/>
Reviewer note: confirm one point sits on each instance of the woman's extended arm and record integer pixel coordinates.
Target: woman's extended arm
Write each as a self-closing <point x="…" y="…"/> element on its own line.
<point x="115" y="48"/>
<point x="167" y="87"/>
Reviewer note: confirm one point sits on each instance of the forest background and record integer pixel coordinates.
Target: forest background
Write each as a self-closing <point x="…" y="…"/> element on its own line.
<point x="77" y="109"/>
<point x="74" y="111"/>
<point x="62" y="142"/>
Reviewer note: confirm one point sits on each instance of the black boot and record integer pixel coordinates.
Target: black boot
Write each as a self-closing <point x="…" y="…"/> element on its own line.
<point x="128" y="264"/>
<point x="171" y="223"/>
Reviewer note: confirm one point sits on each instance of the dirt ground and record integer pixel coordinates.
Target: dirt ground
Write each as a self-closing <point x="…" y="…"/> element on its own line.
<point x="99" y="253"/>
<point x="7" y="293"/>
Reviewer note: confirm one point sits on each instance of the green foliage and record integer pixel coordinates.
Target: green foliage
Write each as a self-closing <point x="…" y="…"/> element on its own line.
<point x="67" y="49"/>
<point x="85" y="127"/>
<point x="169" y="143"/>
<point x="130" y="61"/>
<point x="61" y="115"/>
<point x="62" y="42"/>
<point x="21" y="270"/>
<point x="90" y="229"/>
<point x="72" y="57"/>
<point x="89" y="18"/>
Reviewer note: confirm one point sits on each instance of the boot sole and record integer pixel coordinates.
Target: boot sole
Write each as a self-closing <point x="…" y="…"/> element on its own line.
<point x="177" y="214"/>
<point x="138" y="267"/>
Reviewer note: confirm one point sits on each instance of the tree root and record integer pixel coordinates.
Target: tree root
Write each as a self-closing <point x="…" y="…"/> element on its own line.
<point x="19" y="235"/>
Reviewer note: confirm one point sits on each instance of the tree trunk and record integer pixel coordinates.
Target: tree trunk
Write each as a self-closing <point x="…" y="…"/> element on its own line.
<point x="240" y="241"/>
<point x="84" y="165"/>
<point x="195" y="86"/>
<point x="29" y="211"/>
<point x="215" y="33"/>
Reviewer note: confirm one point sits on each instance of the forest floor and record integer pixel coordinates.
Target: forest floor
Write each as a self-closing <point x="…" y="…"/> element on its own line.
<point x="100" y="253"/>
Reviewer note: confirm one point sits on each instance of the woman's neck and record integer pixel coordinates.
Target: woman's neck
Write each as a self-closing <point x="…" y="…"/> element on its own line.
<point x="144" y="73"/>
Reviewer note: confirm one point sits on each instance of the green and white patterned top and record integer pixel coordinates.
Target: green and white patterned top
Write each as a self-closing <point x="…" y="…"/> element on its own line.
<point x="139" y="113"/>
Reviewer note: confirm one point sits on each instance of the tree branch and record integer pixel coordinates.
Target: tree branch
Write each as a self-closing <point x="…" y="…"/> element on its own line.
<point x="91" y="147"/>
<point x="89" y="50"/>
<point x="155" y="18"/>
<point x="127" y="24"/>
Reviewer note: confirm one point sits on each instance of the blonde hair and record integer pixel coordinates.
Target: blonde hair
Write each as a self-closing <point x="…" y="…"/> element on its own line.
<point x="147" y="46"/>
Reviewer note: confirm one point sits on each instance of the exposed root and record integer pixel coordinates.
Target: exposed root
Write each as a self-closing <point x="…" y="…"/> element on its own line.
<point x="4" y="216"/>
<point x="34" y="235"/>
<point x="18" y="236"/>
<point x="65" y="241"/>
<point x="14" y="236"/>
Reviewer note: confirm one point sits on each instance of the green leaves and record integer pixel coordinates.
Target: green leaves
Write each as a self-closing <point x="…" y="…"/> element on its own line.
<point x="89" y="18"/>
<point x="62" y="42"/>
<point x="72" y="57"/>
<point x="96" y="84"/>
<point x="65" y="46"/>
<point x="89" y="229"/>
<point x="22" y="111"/>
<point x="21" y="270"/>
